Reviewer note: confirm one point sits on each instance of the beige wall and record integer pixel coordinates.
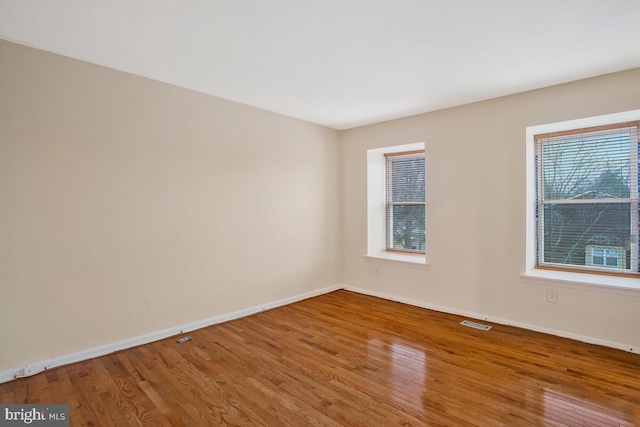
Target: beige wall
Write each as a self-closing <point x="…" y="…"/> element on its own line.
<point x="476" y="210"/>
<point x="128" y="206"/>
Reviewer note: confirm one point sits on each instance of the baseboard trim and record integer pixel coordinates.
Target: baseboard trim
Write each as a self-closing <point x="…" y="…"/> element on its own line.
<point x="34" y="368"/>
<point x="499" y="320"/>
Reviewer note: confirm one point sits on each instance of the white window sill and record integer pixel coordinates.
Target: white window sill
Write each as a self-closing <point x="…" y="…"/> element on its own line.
<point x="593" y="282"/>
<point x="413" y="260"/>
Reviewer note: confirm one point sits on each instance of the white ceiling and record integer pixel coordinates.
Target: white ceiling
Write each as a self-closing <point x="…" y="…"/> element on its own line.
<point x="339" y="63"/>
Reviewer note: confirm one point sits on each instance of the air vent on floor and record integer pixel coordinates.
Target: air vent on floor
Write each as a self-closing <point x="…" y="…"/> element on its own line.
<point x="475" y="325"/>
<point x="183" y="339"/>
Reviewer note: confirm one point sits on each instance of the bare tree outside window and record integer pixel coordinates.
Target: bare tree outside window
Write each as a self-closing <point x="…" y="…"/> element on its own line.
<point x="406" y="202"/>
<point x="587" y="197"/>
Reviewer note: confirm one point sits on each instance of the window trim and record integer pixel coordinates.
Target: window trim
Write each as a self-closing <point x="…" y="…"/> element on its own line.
<point x="552" y="277"/>
<point x="375" y="248"/>
<point x="541" y="200"/>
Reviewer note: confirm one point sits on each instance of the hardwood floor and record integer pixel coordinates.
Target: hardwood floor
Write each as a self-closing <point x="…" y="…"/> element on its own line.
<point x="347" y="359"/>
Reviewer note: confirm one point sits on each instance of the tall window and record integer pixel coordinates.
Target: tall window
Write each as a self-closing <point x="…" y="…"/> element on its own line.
<point x="405" y="202"/>
<point x="587" y="199"/>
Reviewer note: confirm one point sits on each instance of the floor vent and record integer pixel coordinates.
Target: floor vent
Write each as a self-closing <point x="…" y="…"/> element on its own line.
<point x="475" y="325"/>
<point x="184" y="339"/>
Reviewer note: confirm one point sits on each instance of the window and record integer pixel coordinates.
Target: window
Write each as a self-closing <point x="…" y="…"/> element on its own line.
<point x="605" y="256"/>
<point x="396" y="205"/>
<point x="405" y="202"/>
<point x="586" y="210"/>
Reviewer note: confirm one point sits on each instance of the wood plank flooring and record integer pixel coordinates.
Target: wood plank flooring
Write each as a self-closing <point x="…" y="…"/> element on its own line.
<point x="344" y="359"/>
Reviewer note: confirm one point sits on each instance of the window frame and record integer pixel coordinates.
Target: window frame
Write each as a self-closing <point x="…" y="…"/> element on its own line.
<point x="389" y="203"/>
<point x="557" y="277"/>
<point x="375" y="247"/>
<point x="542" y="201"/>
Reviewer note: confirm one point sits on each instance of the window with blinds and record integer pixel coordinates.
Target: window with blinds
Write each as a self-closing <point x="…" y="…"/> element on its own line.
<point x="405" y="202"/>
<point x="587" y="199"/>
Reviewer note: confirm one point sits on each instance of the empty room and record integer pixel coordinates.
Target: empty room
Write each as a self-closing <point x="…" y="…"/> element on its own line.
<point x="332" y="213"/>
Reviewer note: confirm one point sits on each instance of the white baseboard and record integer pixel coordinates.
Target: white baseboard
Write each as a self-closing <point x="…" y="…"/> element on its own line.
<point x="499" y="320"/>
<point x="31" y="369"/>
<point x="34" y="368"/>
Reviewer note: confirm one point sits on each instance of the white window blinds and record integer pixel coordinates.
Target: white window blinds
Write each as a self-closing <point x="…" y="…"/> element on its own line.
<point x="405" y="202"/>
<point x="587" y="199"/>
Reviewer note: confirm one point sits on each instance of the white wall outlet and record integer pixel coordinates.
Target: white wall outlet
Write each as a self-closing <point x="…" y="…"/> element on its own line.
<point x="552" y="295"/>
<point x="378" y="269"/>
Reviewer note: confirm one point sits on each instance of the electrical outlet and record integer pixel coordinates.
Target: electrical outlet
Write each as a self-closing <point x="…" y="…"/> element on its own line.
<point x="552" y="295"/>
<point x="378" y="268"/>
